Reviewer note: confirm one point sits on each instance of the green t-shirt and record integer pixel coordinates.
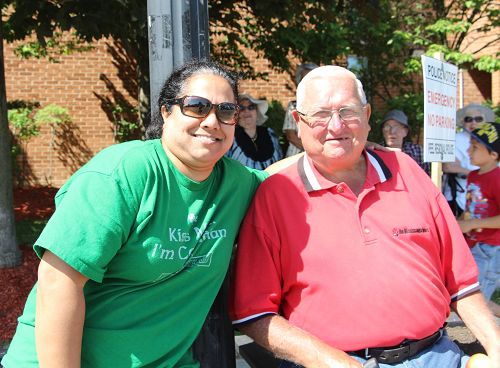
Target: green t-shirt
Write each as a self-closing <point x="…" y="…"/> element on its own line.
<point x="155" y="245"/>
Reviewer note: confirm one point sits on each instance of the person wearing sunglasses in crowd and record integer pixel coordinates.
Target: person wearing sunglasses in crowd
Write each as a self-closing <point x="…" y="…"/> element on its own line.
<point x="141" y="239"/>
<point x="455" y="178"/>
<point x="254" y="145"/>
<point x="350" y="254"/>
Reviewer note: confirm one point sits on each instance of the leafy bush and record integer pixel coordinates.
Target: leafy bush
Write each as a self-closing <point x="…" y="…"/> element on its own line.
<point x="25" y="120"/>
<point x="22" y="124"/>
<point x="126" y="122"/>
<point x="53" y="115"/>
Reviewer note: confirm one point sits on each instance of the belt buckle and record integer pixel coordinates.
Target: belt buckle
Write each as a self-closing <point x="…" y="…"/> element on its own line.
<point x="367" y="353"/>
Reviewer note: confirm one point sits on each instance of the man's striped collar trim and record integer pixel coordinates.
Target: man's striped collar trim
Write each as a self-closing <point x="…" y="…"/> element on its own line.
<point x="309" y="178"/>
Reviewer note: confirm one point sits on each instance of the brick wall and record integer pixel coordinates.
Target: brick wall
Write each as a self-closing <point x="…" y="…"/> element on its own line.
<point x="279" y="86"/>
<point x="480" y="85"/>
<point x="84" y="83"/>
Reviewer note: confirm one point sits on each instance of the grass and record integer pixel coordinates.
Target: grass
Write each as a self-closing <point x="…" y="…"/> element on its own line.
<point x="27" y="231"/>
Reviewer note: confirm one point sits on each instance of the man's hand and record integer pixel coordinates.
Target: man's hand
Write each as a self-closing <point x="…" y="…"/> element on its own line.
<point x="375" y="146"/>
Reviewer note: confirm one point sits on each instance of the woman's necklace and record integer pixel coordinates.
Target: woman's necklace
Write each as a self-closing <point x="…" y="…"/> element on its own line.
<point x="254" y="140"/>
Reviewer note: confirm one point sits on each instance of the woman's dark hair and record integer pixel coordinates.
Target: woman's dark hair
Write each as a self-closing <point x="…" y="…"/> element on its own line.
<point x="174" y="86"/>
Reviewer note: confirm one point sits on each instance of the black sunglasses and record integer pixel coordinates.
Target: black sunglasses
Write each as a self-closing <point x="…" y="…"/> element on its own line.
<point x="200" y="107"/>
<point x="470" y="119"/>
<point x="249" y="107"/>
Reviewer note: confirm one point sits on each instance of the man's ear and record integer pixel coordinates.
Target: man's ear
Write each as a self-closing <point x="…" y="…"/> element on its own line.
<point x="368" y="111"/>
<point x="407" y="131"/>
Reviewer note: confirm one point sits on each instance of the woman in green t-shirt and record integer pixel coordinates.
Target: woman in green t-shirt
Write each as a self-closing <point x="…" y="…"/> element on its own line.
<point x="141" y="238"/>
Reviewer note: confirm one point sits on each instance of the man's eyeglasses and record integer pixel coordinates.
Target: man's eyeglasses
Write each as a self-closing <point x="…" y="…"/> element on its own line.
<point x="323" y="117"/>
<point x="470" y="119"/>
<point x="200" y="107"/>
<point x="249" y="107"/>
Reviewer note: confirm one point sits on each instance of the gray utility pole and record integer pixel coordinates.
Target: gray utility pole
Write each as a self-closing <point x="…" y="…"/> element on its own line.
<point x="178" y="32"/>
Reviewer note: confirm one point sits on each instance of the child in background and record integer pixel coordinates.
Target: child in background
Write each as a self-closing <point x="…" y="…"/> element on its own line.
<point x="480" y="222"/>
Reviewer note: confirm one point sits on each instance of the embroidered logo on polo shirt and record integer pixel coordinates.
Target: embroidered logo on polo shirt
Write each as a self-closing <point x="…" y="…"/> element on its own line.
<point x="397" y="231"/>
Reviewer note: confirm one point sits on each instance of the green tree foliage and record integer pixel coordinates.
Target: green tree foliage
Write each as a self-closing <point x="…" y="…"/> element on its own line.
<point x="388" y="36"/>
<point x="51" y="28"/>
<point x="385" y="33"/>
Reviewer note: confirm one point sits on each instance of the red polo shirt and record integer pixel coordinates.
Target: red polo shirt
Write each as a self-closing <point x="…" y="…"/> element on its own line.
<point x="356" y="272"/>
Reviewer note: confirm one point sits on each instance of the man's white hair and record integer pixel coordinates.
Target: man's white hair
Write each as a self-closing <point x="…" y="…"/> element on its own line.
<point x="325" y="72"/>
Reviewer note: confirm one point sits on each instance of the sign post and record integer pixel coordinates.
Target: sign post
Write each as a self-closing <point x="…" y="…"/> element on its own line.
<point x="440" y="109"/>
<point x="177" y="32"/>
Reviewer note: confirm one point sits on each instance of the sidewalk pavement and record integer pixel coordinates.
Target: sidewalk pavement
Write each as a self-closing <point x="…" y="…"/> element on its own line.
<point x="241" y="340"/>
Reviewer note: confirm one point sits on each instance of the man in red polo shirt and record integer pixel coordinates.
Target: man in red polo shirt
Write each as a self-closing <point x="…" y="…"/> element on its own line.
<point x="349" y="254"/>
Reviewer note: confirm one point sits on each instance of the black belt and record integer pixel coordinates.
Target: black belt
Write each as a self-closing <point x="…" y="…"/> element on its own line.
<point x="396" y="354"/>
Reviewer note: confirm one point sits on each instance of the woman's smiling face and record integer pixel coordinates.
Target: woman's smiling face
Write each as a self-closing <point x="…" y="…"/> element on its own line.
<point x="196" y="144"/>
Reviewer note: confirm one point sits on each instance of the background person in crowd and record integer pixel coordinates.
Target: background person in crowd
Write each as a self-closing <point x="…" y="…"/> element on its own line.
<point x="395" y="129"/>
<point x="289" y="125"/>
<point x="480" y="221"/>
<point x="254" y="145"/>
<point x="469" y="117"/>
<point x="141" y="239"/>
<point x="358" y="254"/>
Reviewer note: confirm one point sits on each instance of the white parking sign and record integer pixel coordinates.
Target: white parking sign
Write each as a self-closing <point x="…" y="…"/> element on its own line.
<point x="440" y="108"/>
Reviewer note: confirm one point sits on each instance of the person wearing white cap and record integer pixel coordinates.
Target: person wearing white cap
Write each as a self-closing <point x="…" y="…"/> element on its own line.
<point x="395" y="129"/>
<point x="469" y="117"/>
<point x="254" y="145"/>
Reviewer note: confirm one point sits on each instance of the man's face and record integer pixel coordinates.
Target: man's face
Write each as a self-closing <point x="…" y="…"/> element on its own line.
<point x="394" y="132"/>
<point x="338" y="142"/>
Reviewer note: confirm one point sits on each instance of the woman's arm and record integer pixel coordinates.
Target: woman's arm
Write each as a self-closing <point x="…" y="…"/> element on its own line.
<point x="454" y="168"/>
<point x="60" y="313"/>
